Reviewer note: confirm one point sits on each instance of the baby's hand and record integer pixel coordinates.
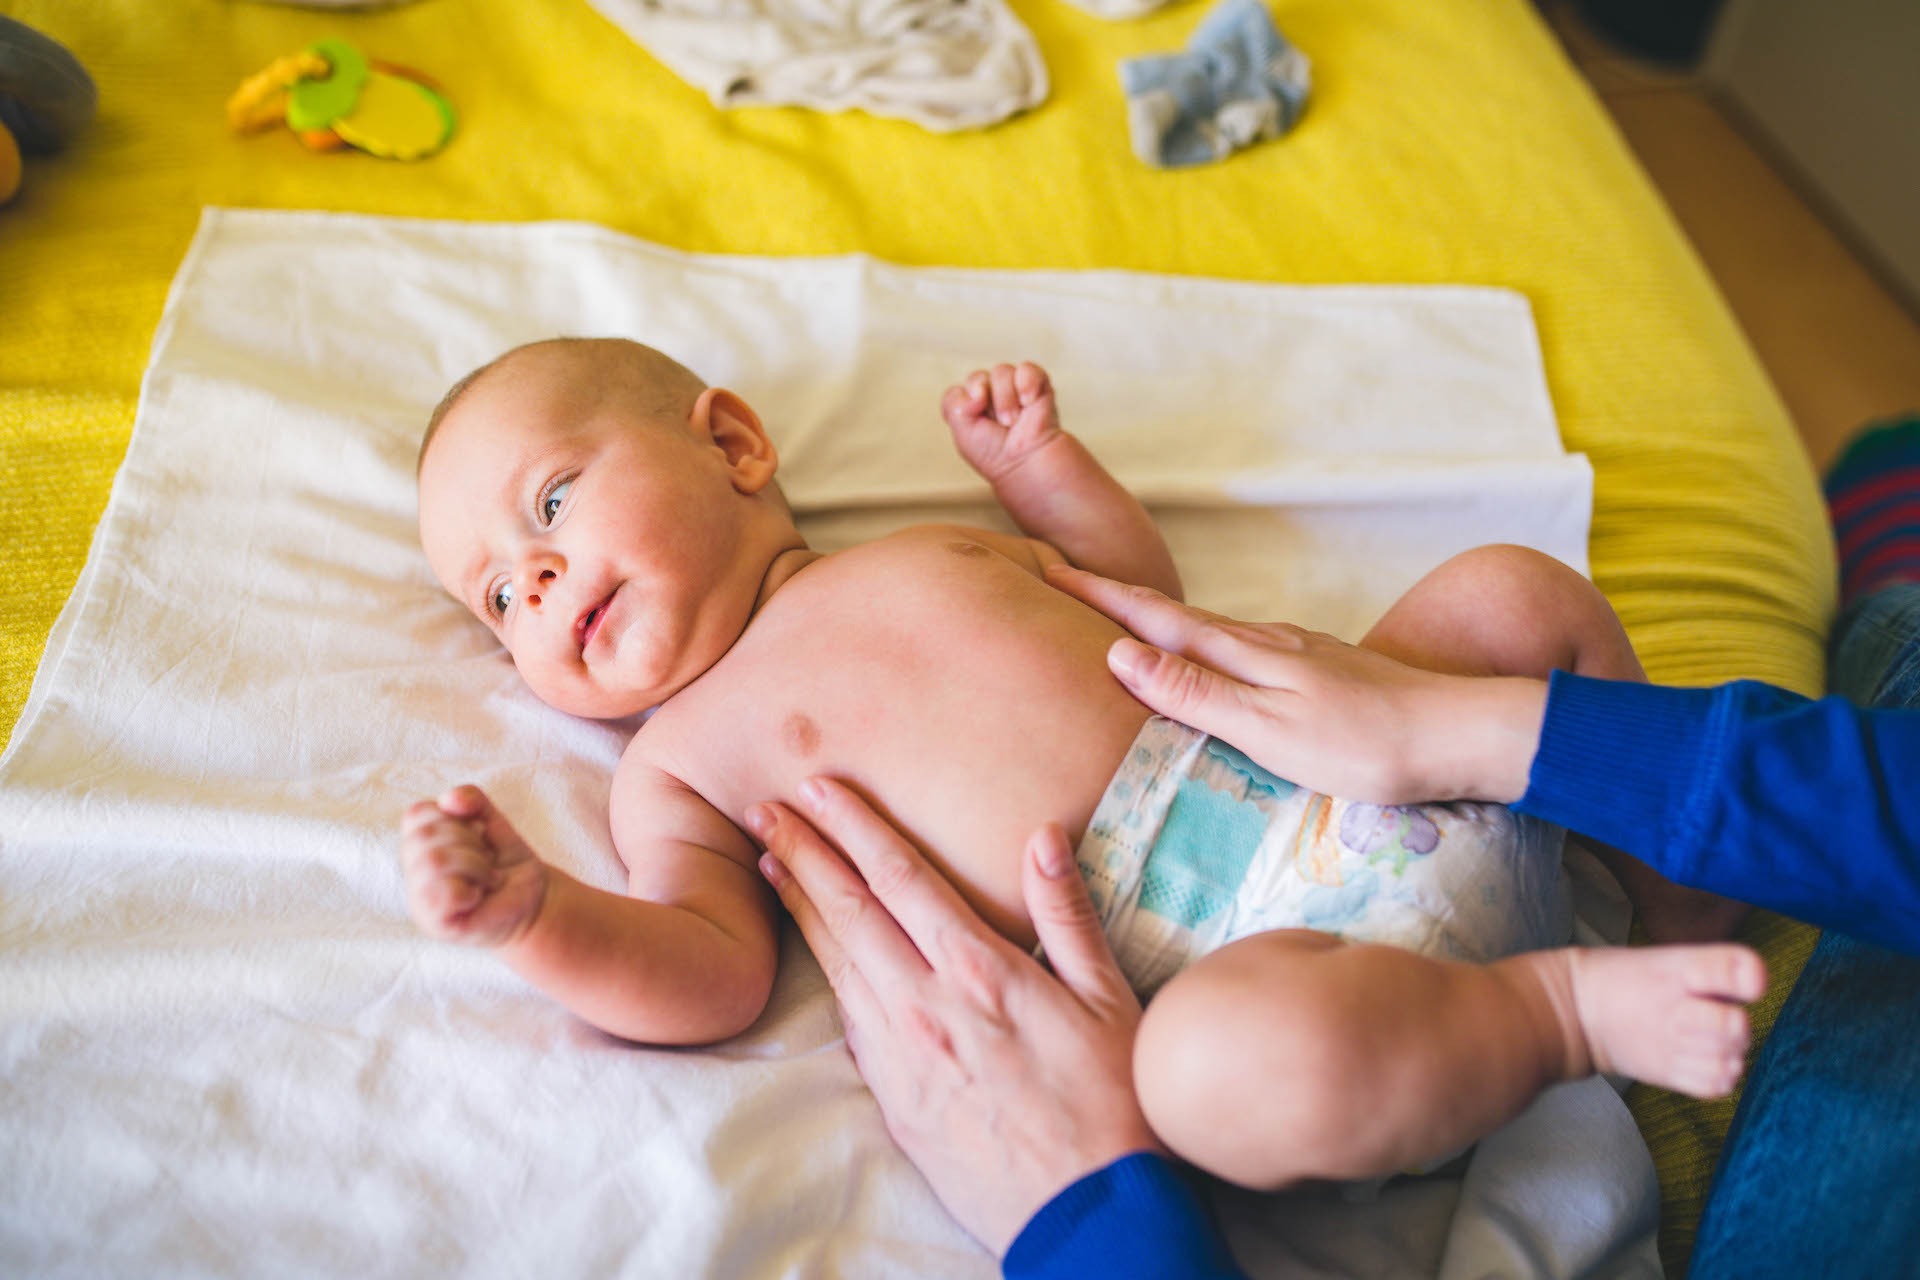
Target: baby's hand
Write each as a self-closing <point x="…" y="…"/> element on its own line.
<point x="1001" y="418"/>
<point x="470" y="877"/>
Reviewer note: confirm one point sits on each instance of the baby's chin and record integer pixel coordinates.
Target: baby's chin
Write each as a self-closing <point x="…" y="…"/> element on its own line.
<point x="594" y="702"/>
<point x="600" y="705"/>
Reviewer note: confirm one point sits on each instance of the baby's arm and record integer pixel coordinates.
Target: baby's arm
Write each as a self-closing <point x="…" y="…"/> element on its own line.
<point x="1006" y="426"/>
<point x="687" y="959"/>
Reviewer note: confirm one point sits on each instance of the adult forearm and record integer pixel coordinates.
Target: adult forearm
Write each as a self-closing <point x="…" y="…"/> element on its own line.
<point x="1807" y="808"/>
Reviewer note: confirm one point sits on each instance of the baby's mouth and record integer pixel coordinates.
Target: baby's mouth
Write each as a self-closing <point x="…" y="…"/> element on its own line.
<point x="590" y="621"/>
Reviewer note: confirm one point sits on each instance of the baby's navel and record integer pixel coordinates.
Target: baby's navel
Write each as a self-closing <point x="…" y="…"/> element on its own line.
<point x="801" y="734"/>
<point x="961" y="548"/>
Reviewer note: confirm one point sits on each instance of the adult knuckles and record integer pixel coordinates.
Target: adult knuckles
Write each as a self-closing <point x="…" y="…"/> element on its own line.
<point x="979" y="969"/>
<point x="842" y="913"/>
<point x="1181" y="685"/>
<point x="1136" y="597"/>
<point x="927" y="1029"/>
<point x="1285" y="636"/>
<point x="836" y="968"/>
<point x="892" y="875"/>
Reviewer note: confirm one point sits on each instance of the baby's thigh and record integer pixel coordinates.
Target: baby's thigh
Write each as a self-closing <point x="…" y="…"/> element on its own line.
<point x="1233" y="1057"/>
<point x="1505" y="610"/>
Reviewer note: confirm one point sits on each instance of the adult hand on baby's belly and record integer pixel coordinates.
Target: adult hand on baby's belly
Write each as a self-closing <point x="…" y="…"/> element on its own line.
<point x="1326" y="715"/>
<point x="1003" y="1083"/>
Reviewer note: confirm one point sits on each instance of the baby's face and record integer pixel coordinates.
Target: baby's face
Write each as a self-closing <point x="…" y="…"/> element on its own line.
<point x="600" y="547"/>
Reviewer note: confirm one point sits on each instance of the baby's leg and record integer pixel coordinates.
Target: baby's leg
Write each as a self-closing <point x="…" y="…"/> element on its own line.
<point x="1292" y="1055"/>
<point x="1512" y="611"/>
<point x="1506" y="611"/>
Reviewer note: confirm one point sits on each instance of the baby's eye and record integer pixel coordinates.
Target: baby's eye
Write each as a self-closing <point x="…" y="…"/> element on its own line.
<point x="499" y="598"/>
<point x="552" y="500"/>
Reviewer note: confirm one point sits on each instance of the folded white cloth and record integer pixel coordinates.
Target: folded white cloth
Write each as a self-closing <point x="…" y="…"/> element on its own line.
<point x="227" y="1052"/>
<point x="943" y="64"/>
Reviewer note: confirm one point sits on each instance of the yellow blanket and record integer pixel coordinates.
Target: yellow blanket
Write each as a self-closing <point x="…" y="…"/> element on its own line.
<point x="1445" y="143"/>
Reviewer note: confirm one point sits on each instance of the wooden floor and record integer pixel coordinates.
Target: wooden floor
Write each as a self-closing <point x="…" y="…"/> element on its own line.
<point x="1840" y="346"/>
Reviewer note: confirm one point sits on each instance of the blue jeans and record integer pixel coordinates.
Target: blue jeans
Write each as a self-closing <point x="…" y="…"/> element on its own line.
<point x="1821" y="1171"/>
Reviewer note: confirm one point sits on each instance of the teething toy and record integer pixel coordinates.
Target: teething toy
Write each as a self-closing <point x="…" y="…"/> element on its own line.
<point x="332" y="96"/>
<point x="46" y="97"/>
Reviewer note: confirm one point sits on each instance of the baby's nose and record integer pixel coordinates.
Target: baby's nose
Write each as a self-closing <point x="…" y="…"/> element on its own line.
<point x="545" y="576"/>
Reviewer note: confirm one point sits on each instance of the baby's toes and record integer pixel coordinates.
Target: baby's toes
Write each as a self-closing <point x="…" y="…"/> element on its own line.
<point x="1712" y="1027"/>
<point x="1707" y="1075"/>
<point x="1733" y="972"/>
<point x="1702" y="1051"/>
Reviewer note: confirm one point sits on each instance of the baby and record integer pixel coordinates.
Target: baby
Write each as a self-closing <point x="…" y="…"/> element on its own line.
<point x="615" y="523"/>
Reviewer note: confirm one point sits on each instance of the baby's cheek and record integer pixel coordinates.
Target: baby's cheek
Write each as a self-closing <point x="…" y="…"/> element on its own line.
<point x="555" y="689"/>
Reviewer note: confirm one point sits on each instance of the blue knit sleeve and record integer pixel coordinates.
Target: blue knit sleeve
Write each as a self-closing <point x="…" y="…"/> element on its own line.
<point x="1135" y="1217"/>
<point x="1808" y="808"/>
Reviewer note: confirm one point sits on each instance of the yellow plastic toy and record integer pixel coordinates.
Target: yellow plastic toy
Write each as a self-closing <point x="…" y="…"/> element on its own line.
<point x="9" y="165"/>
<point x="332" y="96"/>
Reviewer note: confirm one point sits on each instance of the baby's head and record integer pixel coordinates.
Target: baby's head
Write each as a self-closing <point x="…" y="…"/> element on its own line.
<point x="606" y="514"/>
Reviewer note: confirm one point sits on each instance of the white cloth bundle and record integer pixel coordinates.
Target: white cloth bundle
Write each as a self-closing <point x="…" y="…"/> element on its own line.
<point x="943" y="64"/>
<point x="225" y="1050"/>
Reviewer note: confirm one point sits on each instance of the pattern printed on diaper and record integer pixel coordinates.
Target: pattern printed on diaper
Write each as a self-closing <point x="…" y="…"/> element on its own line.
<point x="1193" y="845"/>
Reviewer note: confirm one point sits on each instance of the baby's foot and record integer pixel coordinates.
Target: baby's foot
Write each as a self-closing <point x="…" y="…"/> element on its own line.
<point x="1001" y="417"/>
<point x="470" y="877"/>
<point x="1668" y="1016"/>
<point x="1670" y="912"/>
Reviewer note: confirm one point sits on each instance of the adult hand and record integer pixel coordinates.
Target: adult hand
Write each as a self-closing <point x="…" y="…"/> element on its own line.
<point x="1327" y="715"/>
<point x="1002" y="1082"/>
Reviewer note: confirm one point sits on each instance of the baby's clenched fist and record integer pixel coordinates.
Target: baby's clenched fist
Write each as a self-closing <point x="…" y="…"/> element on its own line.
<point x="470" y="877"/>
<point x="1002" y="416"/>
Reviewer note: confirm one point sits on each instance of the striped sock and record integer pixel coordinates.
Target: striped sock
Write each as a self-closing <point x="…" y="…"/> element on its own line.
<point x="1873" y="497"/>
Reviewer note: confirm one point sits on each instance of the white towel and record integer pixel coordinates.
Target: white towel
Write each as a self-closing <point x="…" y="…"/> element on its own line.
<point x="943" y="64"/>
<point x="225" y="1050"/>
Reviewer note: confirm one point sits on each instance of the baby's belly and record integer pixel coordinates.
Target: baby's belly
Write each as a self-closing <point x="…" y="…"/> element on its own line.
<point x="978" y="796"/>
<point x="968" y="773"/>
<point x="968" y="735"/>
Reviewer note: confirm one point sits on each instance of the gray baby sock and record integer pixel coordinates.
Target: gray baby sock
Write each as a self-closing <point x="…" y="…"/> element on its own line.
<point x="1237" y="82"/>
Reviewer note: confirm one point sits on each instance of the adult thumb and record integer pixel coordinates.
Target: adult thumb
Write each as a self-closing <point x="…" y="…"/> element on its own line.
<point x="1069" y="927"/>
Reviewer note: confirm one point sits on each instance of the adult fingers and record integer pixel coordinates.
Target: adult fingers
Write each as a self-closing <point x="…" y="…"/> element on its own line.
<point x="1215" y="704"/>
<point x="1069" y="927"/>
<point x="853" y="939"/>
<point x="1221" y="643"/>
<point x="919" y="899"/>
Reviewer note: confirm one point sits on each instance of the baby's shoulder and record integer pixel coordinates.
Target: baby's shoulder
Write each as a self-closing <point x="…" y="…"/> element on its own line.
<point x="941" y="543"/>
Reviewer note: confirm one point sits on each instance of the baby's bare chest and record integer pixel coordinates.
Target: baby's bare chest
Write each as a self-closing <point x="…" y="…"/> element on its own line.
<point x="951" y="685"/>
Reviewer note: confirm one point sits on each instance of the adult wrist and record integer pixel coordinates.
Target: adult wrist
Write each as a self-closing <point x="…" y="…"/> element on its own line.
<point x="1492" y="733"/>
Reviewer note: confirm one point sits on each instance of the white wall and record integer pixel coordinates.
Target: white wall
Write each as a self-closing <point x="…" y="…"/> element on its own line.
<point x="1835" y="86"/>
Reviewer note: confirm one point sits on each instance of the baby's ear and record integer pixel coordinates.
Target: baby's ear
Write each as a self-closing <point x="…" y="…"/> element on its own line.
<point x="735" y="429"/>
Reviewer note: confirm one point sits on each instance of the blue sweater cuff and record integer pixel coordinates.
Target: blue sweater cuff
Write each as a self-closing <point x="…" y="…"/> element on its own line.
<point x="1135" y="1217"/>
<point x="1620" y="761"/>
